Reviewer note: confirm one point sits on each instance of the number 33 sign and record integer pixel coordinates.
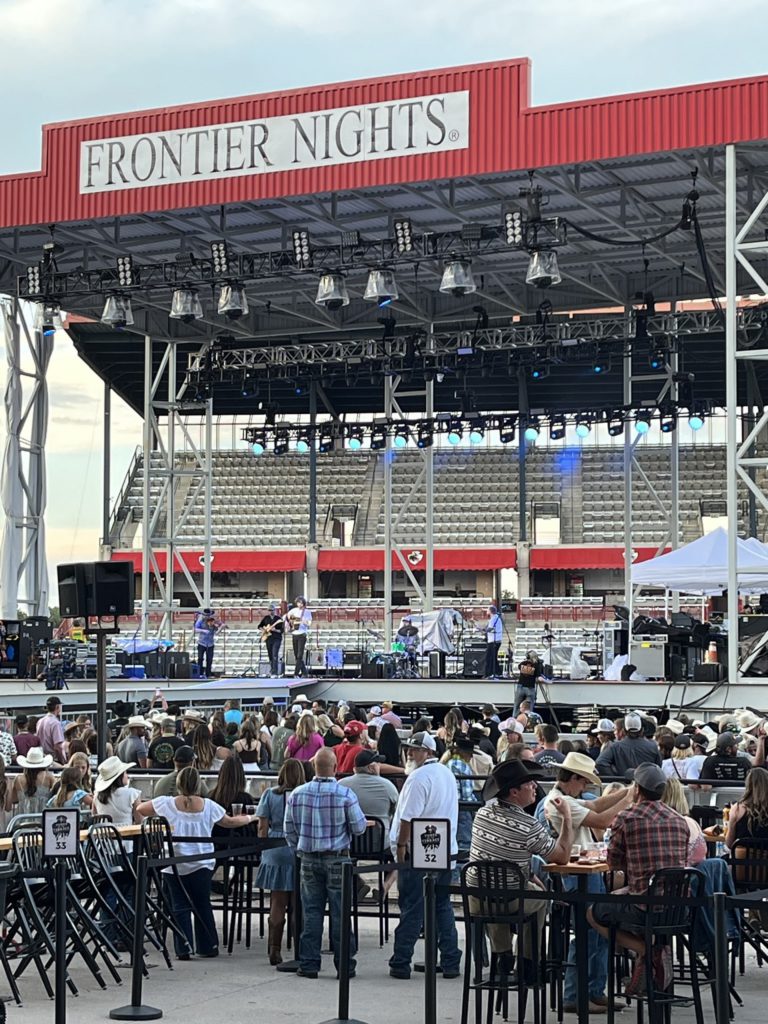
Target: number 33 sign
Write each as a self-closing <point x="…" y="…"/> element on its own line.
<point x="61" y="832"/>
<point x="431" y="844"/>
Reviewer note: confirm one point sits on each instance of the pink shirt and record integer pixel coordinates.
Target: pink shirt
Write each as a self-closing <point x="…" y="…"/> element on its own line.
<point x="50" y="733"/>
<point x="306" y="752"/>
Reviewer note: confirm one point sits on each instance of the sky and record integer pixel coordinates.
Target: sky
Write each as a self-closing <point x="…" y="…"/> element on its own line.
<point x="66" y="59"/>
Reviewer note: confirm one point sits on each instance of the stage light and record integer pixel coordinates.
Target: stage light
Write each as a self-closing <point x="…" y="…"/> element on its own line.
<point x="332" y="292"/>
<point x="513" y="227"/>
<point x="302" y="251"/>
<point x="403" y="234"/>
<point x="354" y="438"/>
<point x="400" y="439"/>
<point x="186" y="306"/>
<point x="381" y="287"/>
<point x="657" y="357"/>
<point x="539" y="370"/>
<point x="282" y="442"/>
<point x="304" y="441"/>
<point x="233" y="302"/>
<point x="117" y="311"/>
<point x="454" y="431"/>
<point x="600" y="365"/>
<point x="220" y="258"/>
<point x="48" y="318"/>
<point x="424" y="435"/>
<point x="507" y="426"/>
<point x="616" y="423"/>
<point x="543" y="270"/>
<point x="125" y="271"/>
<point x="476" y="431"/>
<point x="378" y="437"/>
<point x="33" y="280"/>
<point x="668" y="420"/>
<point x="696" y="415"/>
<point x="259" y="442"/>
<point x="532" y="428"/>
<point x="583" y="426"/>
<point x="327" y="440"/>
<point x="248" y="387"/>
<point x="642" y="421"/>
<point x="457" y="278"/>
<point x="556" y="428"/>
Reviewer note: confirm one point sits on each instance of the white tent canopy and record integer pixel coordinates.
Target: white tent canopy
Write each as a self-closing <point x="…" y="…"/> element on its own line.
<point x="701" y="567"/>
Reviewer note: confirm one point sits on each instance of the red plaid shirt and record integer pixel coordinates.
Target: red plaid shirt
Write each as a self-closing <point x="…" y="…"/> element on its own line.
<point x="646" y="837"/>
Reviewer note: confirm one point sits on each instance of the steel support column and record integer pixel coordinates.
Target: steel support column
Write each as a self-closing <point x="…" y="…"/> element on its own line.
<point x="106" y="472"/>
<point x="731" y="403"/>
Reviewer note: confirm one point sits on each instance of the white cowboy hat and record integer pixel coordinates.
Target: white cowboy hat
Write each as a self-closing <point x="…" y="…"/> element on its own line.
<point x="581" y="764"/>
<point x="35" y="759"/>
<point x="748" y="721"/>
<point x="110" y="770"/>
<point x="137" y="722"/>
<point x="193" y="715"/>
<point x="302" y="698"/>
<point x="675" y="725"/>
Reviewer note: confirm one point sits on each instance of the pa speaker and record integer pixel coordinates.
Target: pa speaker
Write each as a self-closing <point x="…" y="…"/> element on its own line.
<point x="72" y="590"/>
<point x="474" y="664"/>
<point x="95" y="588"/>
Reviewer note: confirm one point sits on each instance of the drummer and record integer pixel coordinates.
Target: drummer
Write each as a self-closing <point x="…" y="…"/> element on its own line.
<point x="407" y="633"/>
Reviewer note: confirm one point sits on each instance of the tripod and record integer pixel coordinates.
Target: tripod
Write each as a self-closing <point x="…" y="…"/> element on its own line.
<point x="251" y="669"/>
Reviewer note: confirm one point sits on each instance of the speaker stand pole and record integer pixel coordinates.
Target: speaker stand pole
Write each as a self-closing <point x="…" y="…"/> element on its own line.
<point x="101" y="633"/>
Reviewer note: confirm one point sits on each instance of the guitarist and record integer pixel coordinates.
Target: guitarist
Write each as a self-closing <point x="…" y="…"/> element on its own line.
<point x="272" y="628"/>
<point x="299" y="619"/>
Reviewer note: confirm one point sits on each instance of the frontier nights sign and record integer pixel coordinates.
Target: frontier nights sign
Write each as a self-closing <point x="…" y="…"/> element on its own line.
<point x="374" y="131"/>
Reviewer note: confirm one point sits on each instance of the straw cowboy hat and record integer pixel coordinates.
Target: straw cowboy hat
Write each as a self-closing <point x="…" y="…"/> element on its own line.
<point x="581" y="764"/>
<point x="137" y="722"/>
<point x="748" y="721"/>
<point x="35" y="759"/>
<point x="193" y="715"/>
<point x="110" y="770"/>
<point x="675" y="725"/>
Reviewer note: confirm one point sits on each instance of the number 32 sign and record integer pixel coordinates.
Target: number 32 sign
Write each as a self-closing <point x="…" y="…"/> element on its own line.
<point x="431" y="844"/>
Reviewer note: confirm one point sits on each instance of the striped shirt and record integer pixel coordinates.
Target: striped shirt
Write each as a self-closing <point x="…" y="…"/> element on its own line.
<point x="322" y="816"/>
<point x="506" y="832"/>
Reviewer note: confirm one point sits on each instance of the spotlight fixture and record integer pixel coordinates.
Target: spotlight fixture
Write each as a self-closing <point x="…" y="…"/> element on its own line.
<point x="381" y="287"/>
<point x="48" y="318"/>
<point x="600" y="364"/>
<point x="457" y="278"/>
<point x="667" y="420"/>
<point x="403" y="234"/>
<point x="186" y="306"/>
<point x="696" y="416"/>
<point x="248" y="387"/>
<point x="332" y="292"/>
<point x="424" y="435"/>
<point x="400" y="438"/>
<point x="616" y="423"/>
<point x="539" y="369"/>
<point x="302" y="252"/>
<point x="507" y="427"/>
<point x="117" y="311"/>
<point x="642" y="421"/>
<point x="378" y="437"/>
<point x="304" y="441"/>
<point x="327" y="440"/>
<point x="33" y="280"/>
<point x="454" y="431"/>
<point x="583" y="426"/>
<point x="657" y="357"/>
<point x="259" y="442"/>
<point x="282" y="442"/>
<point x="125" y="276"/>
<point x="556" y="428"/>
<point x="233" y="302"/>
<point x="220" y="258"/>
<point x="354" y="438"/>
<point x="513" y="227"/>
<point x="532" y="428"/>
<point x="543" y="270"/>
<point x="476" y="430"/>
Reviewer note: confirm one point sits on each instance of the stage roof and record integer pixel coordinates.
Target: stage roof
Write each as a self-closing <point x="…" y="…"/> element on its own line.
<point x="463" y="143"/>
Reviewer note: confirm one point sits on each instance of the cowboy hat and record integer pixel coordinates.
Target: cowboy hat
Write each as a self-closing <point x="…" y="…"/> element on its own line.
<point x="748" y="721"/>
<point x="675" y="725"/>
<point x="193" y="715"/>
<point x="581" y="764"/>
<point x="302" y="698"/>
<point x="137" y="722"/>
<point x="110" y="770"/>
<point x="510" y="775"/>
<point x="35" y="759"/>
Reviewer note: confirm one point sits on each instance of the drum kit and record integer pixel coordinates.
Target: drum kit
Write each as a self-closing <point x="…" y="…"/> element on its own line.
<point x="400" y="662"/>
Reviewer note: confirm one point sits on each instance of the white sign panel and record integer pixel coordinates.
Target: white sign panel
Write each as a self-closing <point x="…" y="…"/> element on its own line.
<point x="61" y="832"/>
<point x="291" y="142"/>
<point x="431" y="844"/>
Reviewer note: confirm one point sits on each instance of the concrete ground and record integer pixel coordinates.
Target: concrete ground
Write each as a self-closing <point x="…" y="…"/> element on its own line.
<point x="244" y="987"/>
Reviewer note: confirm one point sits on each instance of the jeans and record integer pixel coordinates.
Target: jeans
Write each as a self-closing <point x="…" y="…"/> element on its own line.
<point x="196" y="893"/>
<point x="204" y="657"/>
<point x="273" y="652"/>
<point x="299" y="645"/>
<point x="524" y="693"/>
<point x="411" y="903"/>
<point x="597" y="950"/>
<point x="492" y="658"/>
<point x="321" y="882"/>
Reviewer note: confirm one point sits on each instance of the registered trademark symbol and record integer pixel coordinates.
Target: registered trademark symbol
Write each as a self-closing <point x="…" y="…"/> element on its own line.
<point x="453" y="134"/>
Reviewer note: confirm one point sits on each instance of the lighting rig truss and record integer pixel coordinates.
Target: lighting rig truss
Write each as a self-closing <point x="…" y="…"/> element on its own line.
<point x="373" y="434"/>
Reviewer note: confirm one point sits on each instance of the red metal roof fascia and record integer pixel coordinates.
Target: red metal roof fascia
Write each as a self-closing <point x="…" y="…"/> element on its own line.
<point x="372" y="559"/>
<point x="505" y="135"/>
<point x="475" y="559"/>
<point x="606" y="557"/>
<point x="226" y="560"/>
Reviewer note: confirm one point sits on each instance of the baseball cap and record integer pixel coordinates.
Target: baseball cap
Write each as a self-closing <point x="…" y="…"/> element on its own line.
<point x="354" y="728"/>
<point x="421" y="741"/>
<point x="366" y="757"/>
<point x="296" y="709"/>
<point x="604" y="725"/>
<point x="511" y="725"/>
<point x="683" y="742"/>
<point x="725" y="740"/>
<point x="375" y="710"/>
<point x="633" y="722"/>
<point x="651" y="778"/>
<point x="184" y="755"/>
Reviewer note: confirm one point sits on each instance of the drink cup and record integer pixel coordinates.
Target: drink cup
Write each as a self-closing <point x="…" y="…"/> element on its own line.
<point x="237" y="809"/>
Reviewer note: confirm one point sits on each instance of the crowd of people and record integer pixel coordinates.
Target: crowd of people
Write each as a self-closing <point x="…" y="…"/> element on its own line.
<point x="342" y="770"/>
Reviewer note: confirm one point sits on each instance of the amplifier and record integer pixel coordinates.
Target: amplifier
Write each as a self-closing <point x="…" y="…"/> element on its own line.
<point x="709" y="672"/>
<point x="437" y="665"/>
<point x="177" y="664"/>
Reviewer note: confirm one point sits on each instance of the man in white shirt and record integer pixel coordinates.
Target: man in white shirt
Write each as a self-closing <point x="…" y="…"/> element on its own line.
<point x="299" y="619"/>
<point x="493" y="636"/>
<point x="429" y="792"/>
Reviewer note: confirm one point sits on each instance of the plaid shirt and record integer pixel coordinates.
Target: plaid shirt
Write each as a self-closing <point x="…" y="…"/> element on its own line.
<point x="322" y="816"/>
<point x="464" y="785"/>
<point x="646" y="837"/>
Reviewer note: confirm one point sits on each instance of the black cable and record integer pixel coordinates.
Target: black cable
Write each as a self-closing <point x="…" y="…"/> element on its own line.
<point x="701" y="249"/>
<point x="626" y="241"/>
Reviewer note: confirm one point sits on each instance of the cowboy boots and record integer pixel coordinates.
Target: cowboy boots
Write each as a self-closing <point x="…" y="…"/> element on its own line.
<point x="274" y="942"/>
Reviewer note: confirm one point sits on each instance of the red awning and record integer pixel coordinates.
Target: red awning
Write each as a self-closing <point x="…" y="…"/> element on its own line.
<point x="586" y="557"/>
<point x="372" y="559"/>
<point x="228" y="560"/>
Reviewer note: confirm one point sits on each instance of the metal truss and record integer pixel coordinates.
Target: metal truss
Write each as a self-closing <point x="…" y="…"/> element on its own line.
<point x="166" y="508"/>
<point x="23" y="567"/>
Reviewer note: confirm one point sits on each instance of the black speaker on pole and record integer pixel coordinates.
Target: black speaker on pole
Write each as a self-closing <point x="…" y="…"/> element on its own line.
<point x="72" y="590"/>
<point x="96" y="588"/>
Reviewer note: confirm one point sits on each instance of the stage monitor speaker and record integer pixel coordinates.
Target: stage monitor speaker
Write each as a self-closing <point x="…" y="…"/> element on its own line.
<point x="72" y="590"/>
<point x="177" y="664"/>
<point x="372" y="670"/>
<point x="709" y="672"/>
<point x="474" y="664"/>
<point x="95" y="589"/>
<point x="437" y="665"/>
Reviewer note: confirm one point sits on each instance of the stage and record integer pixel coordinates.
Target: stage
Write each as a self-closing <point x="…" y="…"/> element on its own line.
<point x="31" y="695"/>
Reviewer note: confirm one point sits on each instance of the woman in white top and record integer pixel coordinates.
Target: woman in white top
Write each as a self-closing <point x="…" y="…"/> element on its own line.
<point x="113" y="795"/>
<point x="676" y="766"/>
<point x="192" y="816"/>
